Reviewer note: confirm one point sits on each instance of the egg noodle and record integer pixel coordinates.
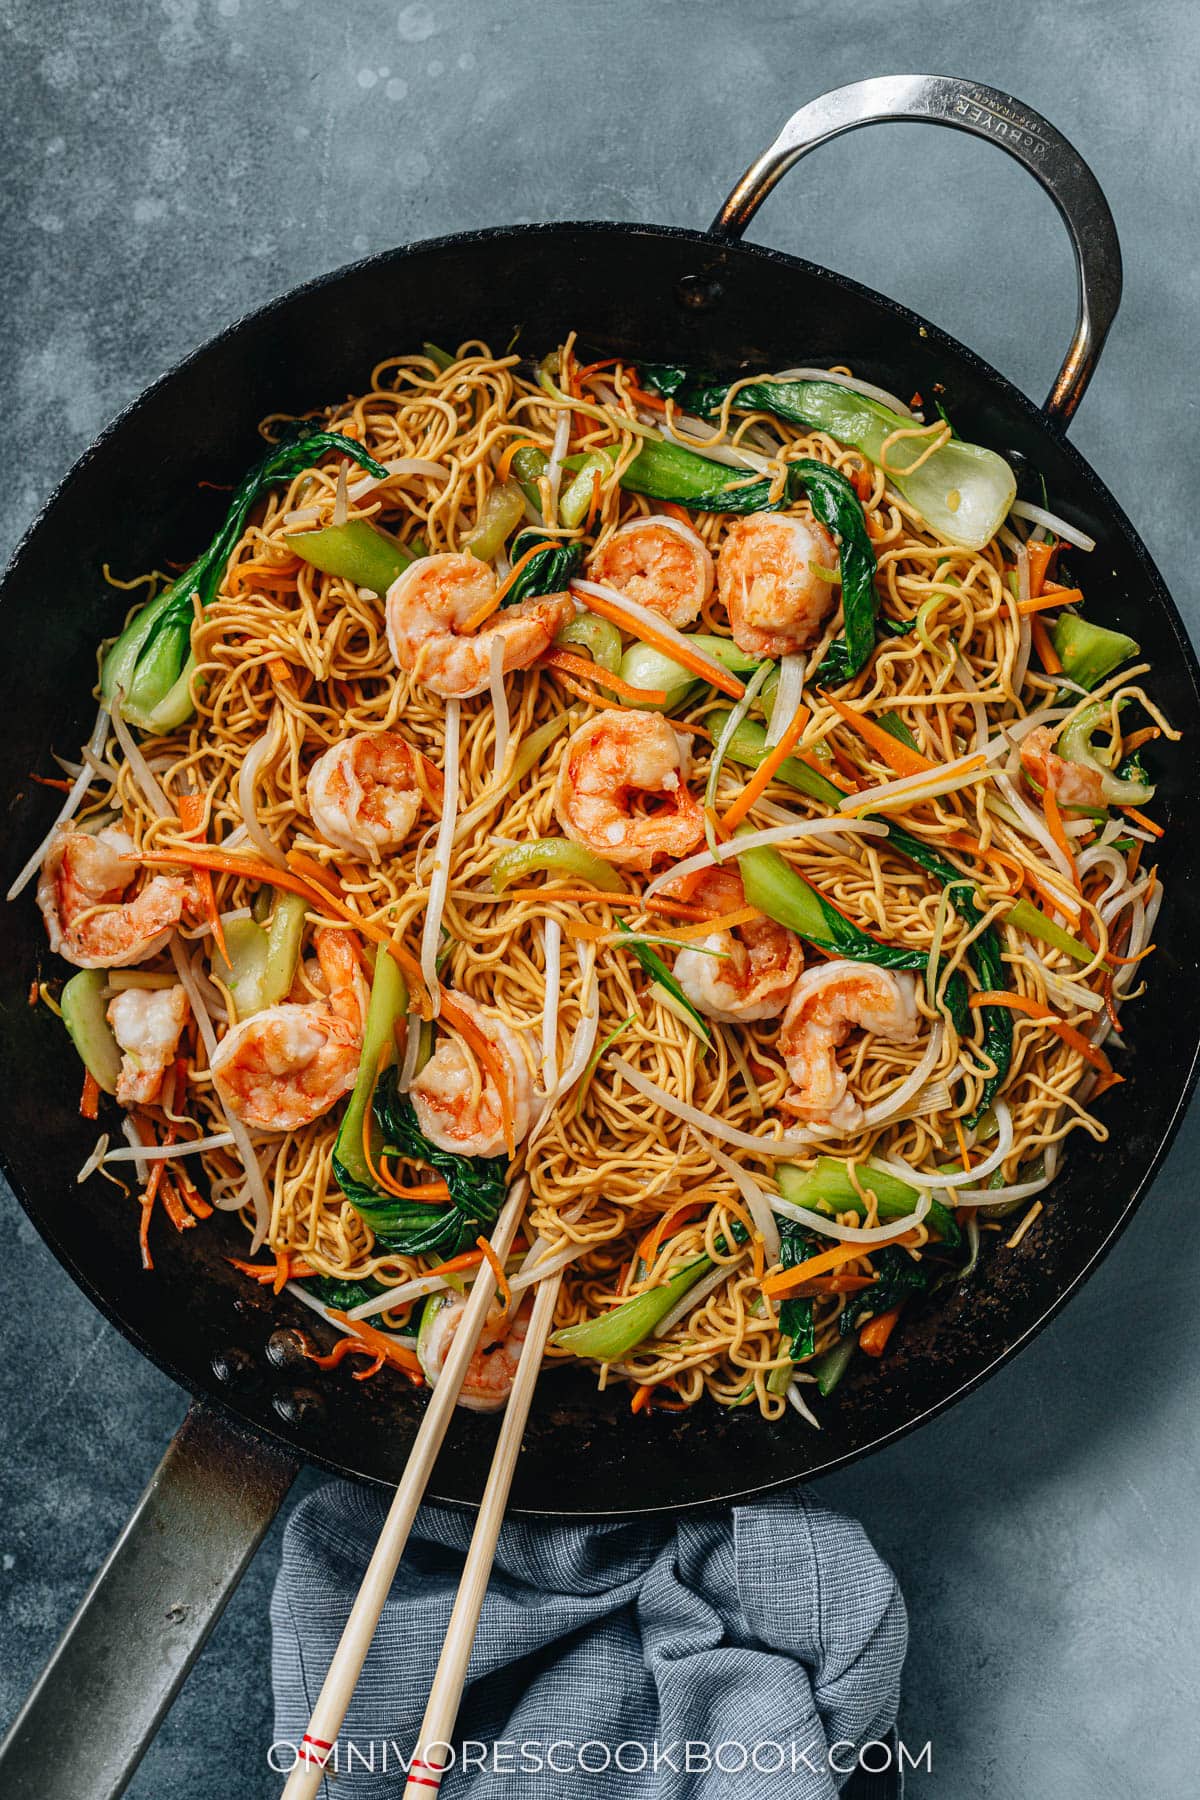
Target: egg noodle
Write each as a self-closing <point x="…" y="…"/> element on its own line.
<point x="289" y="660"/>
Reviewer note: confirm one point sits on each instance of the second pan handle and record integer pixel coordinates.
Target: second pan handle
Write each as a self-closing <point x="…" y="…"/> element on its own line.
<point x="1016" y="128"/>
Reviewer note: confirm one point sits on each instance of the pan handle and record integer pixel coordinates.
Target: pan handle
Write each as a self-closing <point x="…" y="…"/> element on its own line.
<point x="988" y="113"/>
<point x="147" y="1615"/>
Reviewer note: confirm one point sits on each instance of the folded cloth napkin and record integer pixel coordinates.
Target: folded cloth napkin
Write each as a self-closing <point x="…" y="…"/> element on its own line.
<point x="748" y="1651"/>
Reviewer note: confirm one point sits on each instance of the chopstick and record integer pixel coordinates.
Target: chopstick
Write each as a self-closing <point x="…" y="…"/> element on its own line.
<point x="330" y="1710"/>
<point x="441" y="1709"/>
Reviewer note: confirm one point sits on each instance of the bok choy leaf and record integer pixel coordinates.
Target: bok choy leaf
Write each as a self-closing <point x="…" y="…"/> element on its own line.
<point x="149" y="665"/>
<point x="962" y="490"/>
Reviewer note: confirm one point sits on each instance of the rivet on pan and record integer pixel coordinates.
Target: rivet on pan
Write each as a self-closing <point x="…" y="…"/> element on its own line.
<point x="303" y="1406"/>
<point x="234" y="1368"/>
<point x="698" y="292"/>
<point x="285" y="1348"/>
<point x="176" y="1613"/>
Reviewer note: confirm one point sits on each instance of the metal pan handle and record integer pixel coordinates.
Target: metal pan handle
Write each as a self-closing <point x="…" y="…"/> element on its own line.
<point x="147" y="1615"/>
<point x="988" y="113"/>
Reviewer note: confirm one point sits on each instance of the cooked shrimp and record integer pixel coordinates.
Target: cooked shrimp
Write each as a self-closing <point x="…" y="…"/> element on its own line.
<point x="826" y="1005"/>
<point x="493" y="1368"/>
<point x="776" y="603"/>
<point x="79" y="893"/>
<point x="284" y="1066"/>
<point x="738" y="975"/>
<point x="364" y="794"/>
<point x="146" y="1023"/>
<point x="1075" y="784"/>
<point x="659" y="563"/>
<point x="457" y="1102"/>
<point x="612" y="766"/>
<point x="427" y="612"/>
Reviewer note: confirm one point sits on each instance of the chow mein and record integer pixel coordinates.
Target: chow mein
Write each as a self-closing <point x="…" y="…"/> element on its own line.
<point x="704" y="799"/>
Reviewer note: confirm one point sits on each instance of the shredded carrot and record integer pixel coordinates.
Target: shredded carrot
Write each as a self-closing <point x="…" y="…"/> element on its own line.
<point x="675" y="511"/>
<point x="497" y="1268"/>
<point x="279" y="668"/>
<point x="1047" y="655"/>
<point x="962" y="1144"/>
<point x="1055" y="826"/>
<point x="347" y="1346"/>
<point x="1040" y="556"/>
<point x="1052" y="599"/>
<point x="484" y="612"/>
<point x="191" y="817"/>
<point x="594" y="368"/>
<point x="745" y="915"/>
<point x="862" y="480"/>
<point x="384" y="1346"/>
<point x="585" y="931"/>
<point x="1139" y="818"/>
<point x="873" y="1337"/>
<point x="641" y="1399"/>
<point x="784" y="1280"/>
<point x="1035" y="1010"/>
<point x="470" y="1259"/>
<point x="52" y="781"/>
<point x="833" y="1284"/>
<point x="1136" y="739"/>
<point x="638" y="393"/>
<point x="890" y="750"/>
<point x="267" y="1274"/>
<point x="252" y="868"/>
<point x="504" y="466"/>
<point x="590" y="671"/>
<point x="677" y="909"/>
<point x="651" y="1243"/>
<point x="89" y="1099"/>
<point x="767" y="769"/>
<point x="34" y="994"/>
<point x="689" y="659"/>
<point x="194" y="1199"/>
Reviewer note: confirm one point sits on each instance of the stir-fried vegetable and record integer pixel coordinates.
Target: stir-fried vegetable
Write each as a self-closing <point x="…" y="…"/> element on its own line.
<point x="986" y="955"/>
<point x="555" y="856"/>
<point x="1075" y="745"/>
<point x="576" y="499"/>
<point x="502" y="512"/>
<point x="832" y="1364"/>
<point x="357" y="550"/>
<point x="261" y="964"/>
<point x="598" y="637"/>
<point x="795" y="1315"/>
<point x="668" y="989"/>
<point x="476" y="1184"/>
<point x="962" y="490"/>
<point x="748" y="745"/>
<point x="828" y="1189"/>
<point x="897" y="1278"/>
<point x="644" y="666"/>
<point x="614" y="1334"/>
<point x="149" y="665"/>
<point x="665" y="471"/>
<point x="1026" y="917"/>
<point x="549" y="573"/>
<point x="86" y="1019"/>
<point x="782" y="893"/>
<point x="1089" y="653"/>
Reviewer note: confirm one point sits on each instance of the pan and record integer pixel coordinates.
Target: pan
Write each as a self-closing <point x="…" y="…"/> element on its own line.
<point x="640" y="291"/>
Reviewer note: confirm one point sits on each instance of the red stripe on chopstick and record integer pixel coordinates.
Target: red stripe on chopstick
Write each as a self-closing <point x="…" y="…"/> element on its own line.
<point x="319" y="1752"/>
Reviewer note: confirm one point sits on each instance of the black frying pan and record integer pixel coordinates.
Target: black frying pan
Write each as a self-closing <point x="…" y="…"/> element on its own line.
<point x="644" y="291"/>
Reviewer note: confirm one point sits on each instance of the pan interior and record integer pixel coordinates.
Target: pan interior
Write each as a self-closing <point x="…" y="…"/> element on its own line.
<point x="134" y="500"/>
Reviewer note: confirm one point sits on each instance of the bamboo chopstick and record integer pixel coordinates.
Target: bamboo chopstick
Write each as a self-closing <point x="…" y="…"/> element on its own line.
<point x="441" y="1709"/>
<point x="338" y="1686"/>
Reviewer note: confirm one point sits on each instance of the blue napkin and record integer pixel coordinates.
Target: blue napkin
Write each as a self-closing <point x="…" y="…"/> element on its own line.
<point x="748" y="1651"/>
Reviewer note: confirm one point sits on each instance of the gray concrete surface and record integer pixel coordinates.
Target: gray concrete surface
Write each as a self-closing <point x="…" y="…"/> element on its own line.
<point x="165" y="167"/>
